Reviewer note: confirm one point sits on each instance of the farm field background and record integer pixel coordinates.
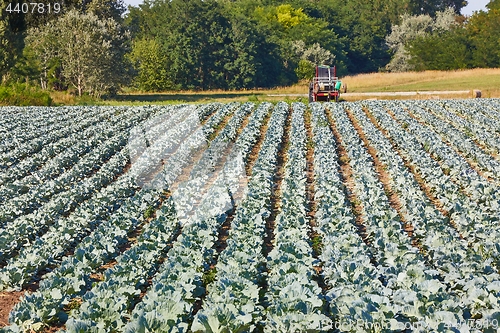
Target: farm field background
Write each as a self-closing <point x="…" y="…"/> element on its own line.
<point x="485" y="80"/>
<point x="236" y="217"/>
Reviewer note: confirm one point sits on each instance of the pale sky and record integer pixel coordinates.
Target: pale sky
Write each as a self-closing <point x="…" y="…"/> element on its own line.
<point x="133" y="2"/>
<point x="473" y="5"/>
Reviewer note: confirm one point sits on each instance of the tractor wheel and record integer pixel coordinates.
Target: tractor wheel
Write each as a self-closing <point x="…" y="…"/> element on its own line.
<point x="336" y="98"/>
<point x="311" y="97"/>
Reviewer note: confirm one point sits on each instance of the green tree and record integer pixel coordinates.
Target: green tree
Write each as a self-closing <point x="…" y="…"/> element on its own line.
<point x="472" y="43"/>
<point x="431" y="7"/>
<point x="151" y="64"/>
<point x="243" y="43"/>
<point x="311" y="57"/>
<point x="484" y="34"/>
<point x="205" y="45"/>
<point x="42" y="42"/>
<point x="288" y="25"/>
<point x="6" y="56"/>
<point x="362" y="26"/>
<point x="90" y="51"/>
<point x="411" y="28"/>
<point x="446" y="50"/>
<point x="105" y="9"/>
<point x="493" y="4"/>
<point x="11" y="41"/>
<point x="194" y="36"/>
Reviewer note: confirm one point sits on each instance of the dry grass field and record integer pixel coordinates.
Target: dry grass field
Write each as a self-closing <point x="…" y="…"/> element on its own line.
<point x="486" y="80"/>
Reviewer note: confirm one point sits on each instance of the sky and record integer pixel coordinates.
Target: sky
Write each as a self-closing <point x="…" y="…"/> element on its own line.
<point x="473" y="5"/>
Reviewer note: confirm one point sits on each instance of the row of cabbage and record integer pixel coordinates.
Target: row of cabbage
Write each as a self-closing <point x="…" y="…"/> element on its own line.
<point x="62" y="198"/>
<point x="474" y="280"/>
<point x="490" y="110"/>
<point x="356" y="293"/>
<point x="15" y="119"/>
<point x="477" y="113"/>
<point x="475" y="217"/>
<point x="168" y="304"/>
<point x="37" y="120"/>
<point x="73" y="228"/>
<point x="293" y="297"/>
<point x="481" y="134"/>
<point x="232" y="301"/>
<point x="410" y="285"/>
<point x="107" y="304"/>
<point x="72" y="135"/>
<point x="30" y="132"/>
<point x="80" y="157"/>
<point x="74" y="276"/>
<point x="44" y="186"/>
<point x="457" y="138"/>
<point x="387" y="281"/>
<point x="458" y="166"/>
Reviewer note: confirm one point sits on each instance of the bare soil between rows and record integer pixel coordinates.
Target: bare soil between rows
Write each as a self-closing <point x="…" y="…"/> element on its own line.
<point x="7" y="302"/>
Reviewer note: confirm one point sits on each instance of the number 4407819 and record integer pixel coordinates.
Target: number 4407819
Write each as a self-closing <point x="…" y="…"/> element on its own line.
<point x="33" y="7"/>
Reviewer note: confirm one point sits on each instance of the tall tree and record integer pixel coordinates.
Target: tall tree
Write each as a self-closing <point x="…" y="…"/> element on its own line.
<point x="444" y="50"/>
<point x="105" y="9"/>
<point x="493" y="5"/>
<point x="90" y="51"/>
<point x="6" y="56"/>
<point x="484" y="35"/>
<point x="411" y="28"/>
<point x="151" y="64"/>
<point x="11" y="38"/>
<point x="431" y="7"/>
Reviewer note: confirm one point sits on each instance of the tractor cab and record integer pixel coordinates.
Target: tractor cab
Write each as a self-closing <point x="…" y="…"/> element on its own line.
<point x="325" y="86"/>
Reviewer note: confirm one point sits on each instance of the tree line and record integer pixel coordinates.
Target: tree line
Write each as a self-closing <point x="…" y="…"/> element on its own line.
<point x="446" y="41"/>
<point x="98" y="46"/>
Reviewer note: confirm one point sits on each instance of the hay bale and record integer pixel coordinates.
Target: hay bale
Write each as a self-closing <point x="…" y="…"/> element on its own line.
<point x="476" y="93"/>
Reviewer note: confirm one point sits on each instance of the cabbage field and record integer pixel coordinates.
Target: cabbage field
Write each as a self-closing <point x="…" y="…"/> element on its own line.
<point x="373" y="216"/>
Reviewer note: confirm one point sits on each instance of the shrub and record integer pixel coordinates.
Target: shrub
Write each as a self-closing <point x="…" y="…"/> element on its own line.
<point x="24" y="95"/>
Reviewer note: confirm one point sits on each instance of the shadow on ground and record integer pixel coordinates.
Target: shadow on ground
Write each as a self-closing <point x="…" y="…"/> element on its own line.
<point x="187" y="97"/>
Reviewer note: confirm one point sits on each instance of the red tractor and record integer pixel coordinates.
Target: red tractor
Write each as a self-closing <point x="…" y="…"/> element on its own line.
<point x="325" y="86"/>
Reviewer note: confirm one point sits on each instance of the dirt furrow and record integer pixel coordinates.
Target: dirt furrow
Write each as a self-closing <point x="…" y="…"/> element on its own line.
<point x="275" y="205"/>
<point x="385" y="179"/>
<point x="422" y="183"/>
<point x="473" y="165"/>
<point x="346" y="174"/>
<point x="316" y="239"/>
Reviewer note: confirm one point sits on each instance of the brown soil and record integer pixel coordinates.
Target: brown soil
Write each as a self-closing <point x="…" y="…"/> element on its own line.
<point x="7" y="302"/>
<point x="311" y="203"/>
<point x="275" y="205"/>
<point x="421" y="182"/>
<point x="311" y="212"/>
<point x="348" y="180"/>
